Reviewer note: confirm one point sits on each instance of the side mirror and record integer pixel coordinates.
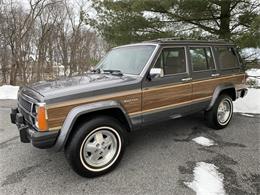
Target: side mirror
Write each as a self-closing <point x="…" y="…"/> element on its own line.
<point x="155" y="73"/>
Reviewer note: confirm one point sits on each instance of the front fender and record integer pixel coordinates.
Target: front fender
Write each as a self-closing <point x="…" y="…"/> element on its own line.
<point x="80" y="110"/>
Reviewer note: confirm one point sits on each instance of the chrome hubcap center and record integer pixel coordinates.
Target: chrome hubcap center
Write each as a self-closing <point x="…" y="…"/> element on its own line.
<point x="100" y="148"/>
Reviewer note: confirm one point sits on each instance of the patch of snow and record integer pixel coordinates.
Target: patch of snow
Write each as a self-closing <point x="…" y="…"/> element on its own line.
<point x="245" y="114"/>
<point x="59" y="69"/>
<point x="8" y="92"/>
<point x="254" y="72"/>
<point x="204" y="141"/>
<point x="207" y="180"/>
<point x="254" y="75"/>
<point x="250" y="103"/>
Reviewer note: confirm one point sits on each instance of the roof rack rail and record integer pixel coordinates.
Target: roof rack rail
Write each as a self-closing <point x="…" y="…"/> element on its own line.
<point x="176" y="39"/>
<point x="165" y="39"/>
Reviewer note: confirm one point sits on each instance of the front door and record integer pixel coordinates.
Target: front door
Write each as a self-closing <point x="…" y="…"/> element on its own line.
<point x="167" y="95"/>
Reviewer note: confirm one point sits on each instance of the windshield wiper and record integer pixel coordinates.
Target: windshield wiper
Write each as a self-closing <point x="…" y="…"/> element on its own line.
<point x="114" y="72"/>
<point x="97" y="71"/>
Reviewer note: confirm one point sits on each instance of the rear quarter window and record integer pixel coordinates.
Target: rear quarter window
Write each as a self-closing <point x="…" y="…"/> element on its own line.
<point x="227" y="57"/>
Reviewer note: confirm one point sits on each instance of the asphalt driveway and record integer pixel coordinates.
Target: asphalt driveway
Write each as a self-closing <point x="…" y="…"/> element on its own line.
<point x="158" y="160"/>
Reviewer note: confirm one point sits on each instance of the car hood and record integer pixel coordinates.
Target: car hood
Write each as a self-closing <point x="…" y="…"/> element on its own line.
<point x="78" y="84"/>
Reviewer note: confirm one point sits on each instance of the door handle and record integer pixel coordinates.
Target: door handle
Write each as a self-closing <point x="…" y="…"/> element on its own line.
<point x="215" y="75"/>
<point x="186" y="79"/>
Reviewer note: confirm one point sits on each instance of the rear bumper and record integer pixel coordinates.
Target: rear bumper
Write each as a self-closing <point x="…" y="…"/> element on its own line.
<point x="28" y="134"/>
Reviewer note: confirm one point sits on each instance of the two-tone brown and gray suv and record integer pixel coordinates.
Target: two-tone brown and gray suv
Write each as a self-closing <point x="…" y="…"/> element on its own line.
<point x="133" y="85"/>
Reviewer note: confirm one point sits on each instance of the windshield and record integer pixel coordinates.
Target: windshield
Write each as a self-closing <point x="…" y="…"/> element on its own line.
<point x="128" y="60"/>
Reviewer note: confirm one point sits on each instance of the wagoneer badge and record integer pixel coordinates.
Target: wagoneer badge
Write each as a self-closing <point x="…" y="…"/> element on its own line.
<point x="130" y="100"/>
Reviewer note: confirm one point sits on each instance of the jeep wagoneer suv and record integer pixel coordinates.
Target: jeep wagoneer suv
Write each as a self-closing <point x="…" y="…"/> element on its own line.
<point x="133" y="85"/>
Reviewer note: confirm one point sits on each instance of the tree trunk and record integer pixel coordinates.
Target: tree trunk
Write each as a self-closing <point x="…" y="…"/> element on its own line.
<point x="13" y="70"/>
<point x="224" y="31"/>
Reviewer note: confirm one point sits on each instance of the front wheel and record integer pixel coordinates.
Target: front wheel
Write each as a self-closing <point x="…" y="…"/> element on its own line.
<point x="96" y="147"/>
<point x="221" y="113"/>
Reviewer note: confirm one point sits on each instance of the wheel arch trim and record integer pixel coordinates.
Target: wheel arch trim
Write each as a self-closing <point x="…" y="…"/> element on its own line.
<point x="217" y="92"/>
<point x="81" y="110"/>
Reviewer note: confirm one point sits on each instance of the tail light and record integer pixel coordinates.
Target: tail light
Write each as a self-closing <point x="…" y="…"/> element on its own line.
<point x="41" y="119"/>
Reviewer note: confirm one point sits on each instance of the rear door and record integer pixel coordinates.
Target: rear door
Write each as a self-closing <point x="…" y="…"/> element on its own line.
<point x="165" y="96"/>
<point x="204" y="74"/>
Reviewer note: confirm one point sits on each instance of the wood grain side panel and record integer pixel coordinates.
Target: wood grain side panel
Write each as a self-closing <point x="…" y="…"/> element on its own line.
<point x="152" y="98"/>
<point x="206" y="88"/>
<point x="57" y="115"/>
<point x="166" y="96"/>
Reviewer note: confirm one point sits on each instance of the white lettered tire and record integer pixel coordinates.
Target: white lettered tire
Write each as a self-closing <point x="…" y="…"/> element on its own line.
<point x="96" y="147"/>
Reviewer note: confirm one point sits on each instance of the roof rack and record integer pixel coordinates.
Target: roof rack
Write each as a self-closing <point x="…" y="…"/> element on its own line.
<point x="178" y="39"/>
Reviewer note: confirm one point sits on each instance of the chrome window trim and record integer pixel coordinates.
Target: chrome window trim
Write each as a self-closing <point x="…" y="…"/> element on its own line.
<point x="214" y="58"/>
<point x="149" y="62"/>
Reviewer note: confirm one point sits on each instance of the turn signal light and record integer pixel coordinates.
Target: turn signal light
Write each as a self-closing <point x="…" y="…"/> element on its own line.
<point x="42" y="118"/>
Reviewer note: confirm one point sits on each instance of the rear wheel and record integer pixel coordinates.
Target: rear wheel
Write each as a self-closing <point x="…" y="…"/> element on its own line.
<point x="96" y="147"/>
<point x="221" y="113"/>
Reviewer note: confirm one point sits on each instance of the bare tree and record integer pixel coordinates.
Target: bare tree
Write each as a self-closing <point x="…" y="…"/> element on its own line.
<point x="46" y="34"/>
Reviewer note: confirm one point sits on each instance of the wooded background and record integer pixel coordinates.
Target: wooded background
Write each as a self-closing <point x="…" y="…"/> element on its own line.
<point x="43" y="39"/>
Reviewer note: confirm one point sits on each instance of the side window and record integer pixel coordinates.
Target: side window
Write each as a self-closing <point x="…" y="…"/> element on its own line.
<point x="201" y="59"/>
<point x="227" y="57"/>
<point x="172" y="61"/>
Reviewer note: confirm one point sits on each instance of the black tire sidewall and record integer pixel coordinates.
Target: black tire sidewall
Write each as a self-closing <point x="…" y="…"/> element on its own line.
<point x="212" y="115"/>
<point x="72" y="149"/>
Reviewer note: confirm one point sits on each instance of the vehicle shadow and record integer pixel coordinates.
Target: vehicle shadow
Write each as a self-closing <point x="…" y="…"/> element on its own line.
<point x="180" y="130"/>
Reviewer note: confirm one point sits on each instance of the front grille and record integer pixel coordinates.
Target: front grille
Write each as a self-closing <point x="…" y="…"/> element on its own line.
<point x="25" y="106"/>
